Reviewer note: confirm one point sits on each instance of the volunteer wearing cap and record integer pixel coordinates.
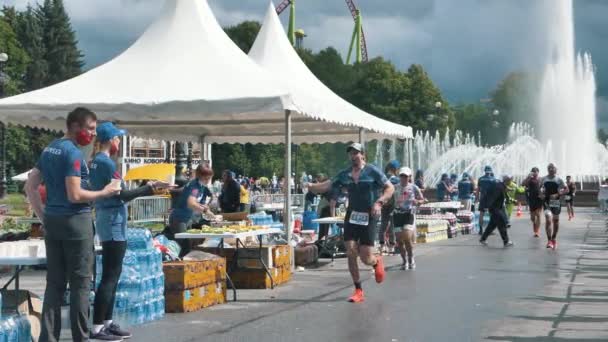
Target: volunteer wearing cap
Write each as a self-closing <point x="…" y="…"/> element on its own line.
<point x="406" y="197"/>
<point x="111" y="227"/>
<point x="68" y="224"/>
<point x="512" y="189"/>
<point x="495" y="195"/>
<point x="368" y="190"/>
<point x="483" y="184"/>
<point x="465" y="191"/>
<point x="193" y="198"/>
<point x="386" y="220"/>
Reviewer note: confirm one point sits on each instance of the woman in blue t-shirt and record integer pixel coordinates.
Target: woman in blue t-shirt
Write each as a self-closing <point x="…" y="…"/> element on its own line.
<point x="111" y="227"/>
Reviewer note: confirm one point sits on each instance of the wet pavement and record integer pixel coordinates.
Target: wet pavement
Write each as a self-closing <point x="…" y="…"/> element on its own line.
<point x="461" y="291"/>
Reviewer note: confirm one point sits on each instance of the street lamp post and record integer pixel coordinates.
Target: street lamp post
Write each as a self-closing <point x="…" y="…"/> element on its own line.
<point x="3" y="78"/>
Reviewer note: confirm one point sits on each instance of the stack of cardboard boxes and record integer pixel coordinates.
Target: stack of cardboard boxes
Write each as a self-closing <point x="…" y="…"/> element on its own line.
<point x="193" y="285"/>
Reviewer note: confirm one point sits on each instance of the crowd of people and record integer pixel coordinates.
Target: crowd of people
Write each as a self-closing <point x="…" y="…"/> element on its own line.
<point x="370" y="197"/>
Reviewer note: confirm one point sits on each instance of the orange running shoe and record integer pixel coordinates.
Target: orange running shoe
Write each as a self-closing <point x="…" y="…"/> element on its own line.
<point x="379" y="269"/>
<point x="357" y="297"/>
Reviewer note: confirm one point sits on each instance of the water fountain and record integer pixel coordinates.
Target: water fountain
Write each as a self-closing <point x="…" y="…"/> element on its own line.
<point x="567" y="125"/>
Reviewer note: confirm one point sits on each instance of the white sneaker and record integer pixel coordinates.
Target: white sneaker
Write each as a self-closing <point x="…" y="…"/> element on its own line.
<point x="412" y="264"/>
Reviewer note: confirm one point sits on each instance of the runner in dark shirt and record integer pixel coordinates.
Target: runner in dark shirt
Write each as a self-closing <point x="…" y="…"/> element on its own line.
<point x="552" y="188"/>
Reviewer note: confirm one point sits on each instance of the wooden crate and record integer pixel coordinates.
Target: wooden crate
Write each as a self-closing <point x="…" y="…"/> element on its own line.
<point x="281" y="255"/>
<point x="258" y="279"/>
<point x="183" y="275"/>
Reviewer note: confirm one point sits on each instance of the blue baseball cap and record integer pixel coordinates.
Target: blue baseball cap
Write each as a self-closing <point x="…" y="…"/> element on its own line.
<point x="107" y="131"/>
<point x="393" y="164"/>
<point x="487" y="169"/>
<point x="465" y="175"/>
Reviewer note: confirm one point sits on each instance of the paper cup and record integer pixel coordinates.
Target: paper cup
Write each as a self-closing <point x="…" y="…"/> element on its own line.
<point x="170" y="179"/>
<point x="117" y="184"/>
<point x="33" y="251"/>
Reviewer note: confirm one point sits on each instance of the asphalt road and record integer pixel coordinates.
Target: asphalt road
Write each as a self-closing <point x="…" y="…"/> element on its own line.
<point x="461" y="291"/>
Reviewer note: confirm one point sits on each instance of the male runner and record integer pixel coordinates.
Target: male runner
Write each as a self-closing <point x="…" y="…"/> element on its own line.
<point x="368" y="190"/>
<point x="570" y="197"/>
<point x="535" y="202"/>
<point x="495" y="203"/>
<point x="552" y="188"/>
<point x="483" y="185"/>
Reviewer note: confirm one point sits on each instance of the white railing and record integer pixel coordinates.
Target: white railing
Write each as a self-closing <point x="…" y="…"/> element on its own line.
<point x="149" y="209"/>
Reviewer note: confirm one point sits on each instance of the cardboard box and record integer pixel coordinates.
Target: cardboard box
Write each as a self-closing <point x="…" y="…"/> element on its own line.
<point x="177" y="301"/>
<point x="183" y="275"/>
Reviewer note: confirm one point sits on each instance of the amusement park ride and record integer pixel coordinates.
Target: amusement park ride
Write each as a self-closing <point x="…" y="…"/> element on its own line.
<point x="357" y="41"/>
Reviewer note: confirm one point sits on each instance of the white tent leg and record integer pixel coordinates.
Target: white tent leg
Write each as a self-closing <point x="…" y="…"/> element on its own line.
<point x="286" y="187"/>
<point x="362" y="137"/>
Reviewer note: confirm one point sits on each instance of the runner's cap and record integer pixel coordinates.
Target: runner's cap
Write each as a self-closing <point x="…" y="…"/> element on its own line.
<point x="355" y="146"/>
<point x="405" y="171"/>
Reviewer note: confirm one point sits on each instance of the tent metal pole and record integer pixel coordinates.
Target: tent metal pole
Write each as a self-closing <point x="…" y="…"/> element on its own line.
<point x="362" y="137"/>
<point x="286" y="181"/>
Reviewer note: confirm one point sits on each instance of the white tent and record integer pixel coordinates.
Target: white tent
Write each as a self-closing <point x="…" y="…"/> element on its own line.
<point x="273" y="51"/>
<point x="181" y="80"/>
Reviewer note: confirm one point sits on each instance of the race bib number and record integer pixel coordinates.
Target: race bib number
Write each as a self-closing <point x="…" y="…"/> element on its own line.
<point x="568" y="198"/>
<point x="555" y="204"/>
<point x="358" y="218"/>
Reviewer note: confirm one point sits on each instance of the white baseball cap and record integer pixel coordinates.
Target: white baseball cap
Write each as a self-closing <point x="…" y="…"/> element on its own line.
<point x="405" y="171"/>
<point x="355" y="146"/>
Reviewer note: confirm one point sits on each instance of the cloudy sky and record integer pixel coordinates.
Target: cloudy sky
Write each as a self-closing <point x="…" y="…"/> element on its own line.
<point x="468" y="46"/>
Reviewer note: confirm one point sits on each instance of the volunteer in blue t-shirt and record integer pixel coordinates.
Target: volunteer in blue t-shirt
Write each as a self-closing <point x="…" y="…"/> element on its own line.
<point x="484" y="183"/>
<point x="68" y="224"/>
<point x="111" y="226"/>
<point x="194" y="198"/>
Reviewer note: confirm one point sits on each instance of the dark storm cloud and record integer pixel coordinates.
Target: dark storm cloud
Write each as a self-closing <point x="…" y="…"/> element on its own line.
<point x="468" y="46"/>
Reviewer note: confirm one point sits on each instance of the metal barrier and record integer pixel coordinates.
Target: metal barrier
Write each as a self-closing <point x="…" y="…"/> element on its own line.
<point x="149" y="209"/>
<point x="277" y="200"/>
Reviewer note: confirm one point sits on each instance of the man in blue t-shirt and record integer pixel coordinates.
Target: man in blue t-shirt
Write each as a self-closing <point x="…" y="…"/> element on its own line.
<point x="465" y="191"/>
<point x="484" y="183"/>
<point x="368" y="190"/>
<point x="68" y="224"/>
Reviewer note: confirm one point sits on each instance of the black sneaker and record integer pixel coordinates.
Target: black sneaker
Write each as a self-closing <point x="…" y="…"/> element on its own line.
<point x="115" y="330"/>
<point x="104" y="335"/>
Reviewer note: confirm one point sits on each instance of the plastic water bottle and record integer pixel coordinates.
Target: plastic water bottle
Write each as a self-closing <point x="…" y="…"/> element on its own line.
<point x="12" y="329"/>
<point x="26" y="330"/>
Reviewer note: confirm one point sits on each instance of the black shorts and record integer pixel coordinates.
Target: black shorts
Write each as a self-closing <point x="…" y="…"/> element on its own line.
<point x="555" y="211"/>
<point x="535" y="204"/>
<point x="403" y="219"/>
<point x="363" y="235"/>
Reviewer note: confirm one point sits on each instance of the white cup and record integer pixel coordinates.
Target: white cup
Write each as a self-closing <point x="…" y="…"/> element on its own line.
<point x="170" y="179"/>
<point x="33" y="250"/>
<point x="117" y="184"/>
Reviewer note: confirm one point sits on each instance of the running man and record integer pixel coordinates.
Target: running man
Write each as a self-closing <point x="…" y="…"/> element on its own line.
<point x="368" y="190"/>
<point x="406" y="196"/>
<point x="533" y="196"/>
<point x="483" y="184"/>
<point x="552" y="188"/>
<point x="569" y="198"/>
<point x="495" y="203"/>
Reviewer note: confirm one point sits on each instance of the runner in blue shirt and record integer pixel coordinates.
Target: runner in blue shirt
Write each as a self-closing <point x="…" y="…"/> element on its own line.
<point x="484" y="183"/>
<point x="68" y="224"/>
<point x="368" y="190"/>
<point x="111" y="227"/>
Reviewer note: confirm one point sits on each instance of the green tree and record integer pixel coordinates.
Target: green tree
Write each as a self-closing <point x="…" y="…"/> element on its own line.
<point x="423" y="97"/>
<point x="60" y="45"/>
<point x="515" y="99"/>
<point x="29" y="32"/>
<point x="18" y="58"/>
<point x="244" y="34"/>
<point x="602" y="136"/>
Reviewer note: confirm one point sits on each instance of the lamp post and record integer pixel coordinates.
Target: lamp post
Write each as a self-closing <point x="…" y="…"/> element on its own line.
<point x="3" y="79"/>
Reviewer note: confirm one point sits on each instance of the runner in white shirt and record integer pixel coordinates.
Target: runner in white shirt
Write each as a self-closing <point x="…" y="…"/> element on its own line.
<point x="406" y="196"/>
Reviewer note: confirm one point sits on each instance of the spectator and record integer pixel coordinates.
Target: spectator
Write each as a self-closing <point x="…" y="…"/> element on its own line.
<point x="230" y="198"/>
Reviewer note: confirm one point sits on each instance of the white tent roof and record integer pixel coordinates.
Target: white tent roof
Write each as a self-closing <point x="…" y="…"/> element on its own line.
<point x="273" y="51"/>
<point x="183" y="79"/>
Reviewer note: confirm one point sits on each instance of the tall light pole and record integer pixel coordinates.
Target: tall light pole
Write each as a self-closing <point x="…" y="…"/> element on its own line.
<point x="3" y="79"/>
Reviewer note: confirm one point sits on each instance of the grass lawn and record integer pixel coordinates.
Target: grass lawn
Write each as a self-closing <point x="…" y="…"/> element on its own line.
<point x="16" y="203"/>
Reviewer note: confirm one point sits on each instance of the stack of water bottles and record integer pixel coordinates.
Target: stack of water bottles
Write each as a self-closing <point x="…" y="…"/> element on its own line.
<point x="261" y="219"/>
<point x="140" y="293"/>
<point x="14" y="328"/>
